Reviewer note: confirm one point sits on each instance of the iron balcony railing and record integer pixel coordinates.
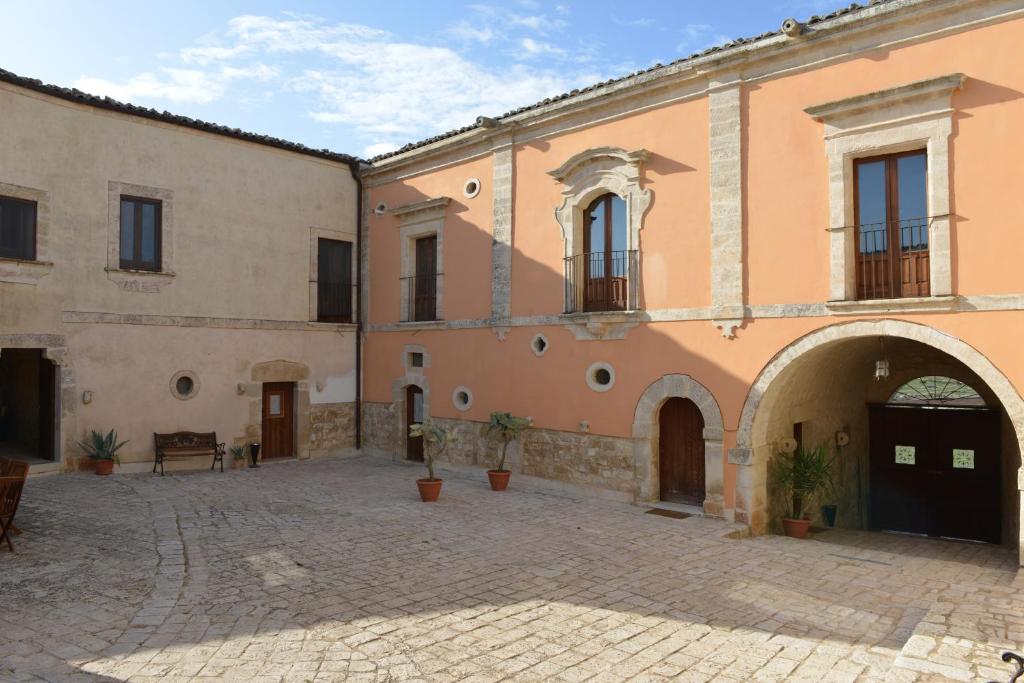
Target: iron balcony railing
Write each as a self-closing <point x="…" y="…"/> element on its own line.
<point x="420" y="292"/>
<point x="336" y="302"/>
<point x="601" y="281"/>
<point x="892" y="259"/>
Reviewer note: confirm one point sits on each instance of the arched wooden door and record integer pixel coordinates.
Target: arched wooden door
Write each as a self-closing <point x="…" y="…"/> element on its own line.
<point x="681" y="452"/>
<point x="413" y="414"/>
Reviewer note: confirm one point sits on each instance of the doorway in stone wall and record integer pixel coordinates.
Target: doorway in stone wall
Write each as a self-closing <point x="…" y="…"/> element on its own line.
<point x="413" y="414"/>
<point x="278" y="420"/>
<point x="681" y="452"/>
<point x="28" y="402"/>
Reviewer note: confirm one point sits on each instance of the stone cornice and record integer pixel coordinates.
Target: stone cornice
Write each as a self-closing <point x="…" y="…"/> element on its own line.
<point x="758" y="59"/>
<point x="939" y="87"/>
<point x="589" y="156"/>
<point x="420" y="212"/>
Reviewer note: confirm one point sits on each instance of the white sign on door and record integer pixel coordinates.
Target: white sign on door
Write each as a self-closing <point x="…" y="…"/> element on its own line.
<point x="963" y="459"/>
<point x="906" y="455"/>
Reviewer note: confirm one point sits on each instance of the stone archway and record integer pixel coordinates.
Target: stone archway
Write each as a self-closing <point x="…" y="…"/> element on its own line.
<point x="645" y="439"/>
<point x="55" y="349"/>
<point x="752" y="450"/>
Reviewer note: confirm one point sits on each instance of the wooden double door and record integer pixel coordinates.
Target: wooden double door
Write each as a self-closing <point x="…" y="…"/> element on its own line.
<point x="278" y="420"/>
<point x="681" y="452"/>
<point x="936" y="471"/>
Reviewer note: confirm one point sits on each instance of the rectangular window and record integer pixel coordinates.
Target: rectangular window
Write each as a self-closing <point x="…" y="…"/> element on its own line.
<point x="891" y="215"/>
<point x="17" y="229"/>
<point x="424" y="282"/>
<point x="416" y="359"/>
<point x="140" y="233"/>
<point x="334" y="281"/>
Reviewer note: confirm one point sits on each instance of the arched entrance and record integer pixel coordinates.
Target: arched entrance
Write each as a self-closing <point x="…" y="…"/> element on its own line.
<point x="647" y="424"/>
<point x="821" y="387"/>
<point x="681" y="452"/>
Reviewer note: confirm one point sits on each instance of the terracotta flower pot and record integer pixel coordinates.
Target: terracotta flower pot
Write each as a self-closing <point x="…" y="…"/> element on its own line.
<point x="430" y="489"/>
<point x="104" y="467"/>
<point x="499" y="479"/>
<point x="796" y="528"/>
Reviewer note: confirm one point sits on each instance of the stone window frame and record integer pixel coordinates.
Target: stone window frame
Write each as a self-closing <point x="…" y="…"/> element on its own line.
<point x="914" y="116"/>
<point x="591" y="377"/>
<point x="407" y="365"/>
<point x="590" y="174"/>
<point x="174" y="385"/>
<point x="30" y="271"/>
<point x="416" y="220"/>
<point x="469" y="398"/>
<point x="314" y="269"/>
<point x="139" y="280"/>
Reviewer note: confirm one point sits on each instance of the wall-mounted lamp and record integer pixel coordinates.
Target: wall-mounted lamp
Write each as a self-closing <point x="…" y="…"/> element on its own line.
<point x="86" y="396"/>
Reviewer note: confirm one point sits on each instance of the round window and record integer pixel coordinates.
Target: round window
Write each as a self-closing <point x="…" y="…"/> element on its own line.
<point x="462" y="397"/>
<point x="471" y="188"/>
<point x="184" y="385"/>
<point x="600" y="376"/>
<point x="380" y="209"/>
<point x="539" y="344"/>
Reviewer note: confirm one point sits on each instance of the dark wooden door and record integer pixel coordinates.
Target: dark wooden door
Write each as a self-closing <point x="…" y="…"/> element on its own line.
<point x="936" y="472"/>
<point x="425" y="297"/>
<point x="681" y="452"/>
<point x="278" y="420"/>
<point x="413" y="414"/>
<point x="47" y="408"/>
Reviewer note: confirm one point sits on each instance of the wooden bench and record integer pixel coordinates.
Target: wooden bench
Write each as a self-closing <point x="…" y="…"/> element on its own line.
<point x="13" y="474"/>
<point x="185" y="445"/>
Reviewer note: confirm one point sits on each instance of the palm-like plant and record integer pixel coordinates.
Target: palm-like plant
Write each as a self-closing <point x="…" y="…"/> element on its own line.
<point x="99" y="447"/>
<point x="804" y="474"/>
<point x="506" y="427"/>
<point x="237" y="452"/>
<point x="436" y="434"/>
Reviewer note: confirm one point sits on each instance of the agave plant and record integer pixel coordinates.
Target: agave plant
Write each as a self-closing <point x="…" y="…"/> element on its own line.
<point x="237" y="452"/>
<point x="804" y="474"/>
<point x="506" y="427"/>
<point x="436" y="434"/>
<point x="99" y="447"/>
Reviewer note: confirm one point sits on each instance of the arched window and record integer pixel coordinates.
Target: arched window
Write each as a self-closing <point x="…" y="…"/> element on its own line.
<point x="606" y="264"/>
<point x="936" y="390"/>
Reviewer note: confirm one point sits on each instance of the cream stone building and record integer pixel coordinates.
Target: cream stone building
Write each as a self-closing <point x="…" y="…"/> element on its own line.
<point x="807" y="238"/>
<point x="159" y="274"/>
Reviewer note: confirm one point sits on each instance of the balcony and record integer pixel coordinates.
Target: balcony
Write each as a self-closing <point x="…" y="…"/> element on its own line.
<point x="335" y="302"/>
<point x="420" y="297"/>
<point x="601" y="281"/>
<point x="892" y="259"/>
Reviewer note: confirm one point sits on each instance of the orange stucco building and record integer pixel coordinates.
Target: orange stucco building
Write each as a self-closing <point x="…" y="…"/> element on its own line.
<point x="682" y="272"/>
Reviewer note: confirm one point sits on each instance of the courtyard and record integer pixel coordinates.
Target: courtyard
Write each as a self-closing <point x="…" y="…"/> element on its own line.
<point x="333" y="570"/>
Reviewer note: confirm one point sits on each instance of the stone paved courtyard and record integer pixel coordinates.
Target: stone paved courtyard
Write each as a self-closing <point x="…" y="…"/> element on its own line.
<point x="334" y="571"/>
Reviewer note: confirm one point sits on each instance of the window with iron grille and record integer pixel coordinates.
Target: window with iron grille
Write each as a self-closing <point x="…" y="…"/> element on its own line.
<point x="17" y="229"/>
<point x="891" y="216"/>
<point x="335" y="289"/>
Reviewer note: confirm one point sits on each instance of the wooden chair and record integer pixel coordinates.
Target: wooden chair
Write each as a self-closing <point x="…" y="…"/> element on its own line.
<point x="13" y="474"/>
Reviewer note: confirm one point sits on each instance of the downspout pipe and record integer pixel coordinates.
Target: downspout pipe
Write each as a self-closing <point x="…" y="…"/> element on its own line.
<point x="353" y="167"/>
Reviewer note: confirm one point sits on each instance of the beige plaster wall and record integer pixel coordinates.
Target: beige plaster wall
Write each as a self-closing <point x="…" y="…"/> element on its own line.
<point x="239" y="219"/>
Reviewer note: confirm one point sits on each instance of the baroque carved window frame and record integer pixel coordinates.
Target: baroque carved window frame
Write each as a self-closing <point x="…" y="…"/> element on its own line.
<point x="917" y="115"/>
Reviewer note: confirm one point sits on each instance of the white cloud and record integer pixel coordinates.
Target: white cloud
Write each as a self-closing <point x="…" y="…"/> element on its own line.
<point x="697" y="37"/>
<point x="384" y="89"/>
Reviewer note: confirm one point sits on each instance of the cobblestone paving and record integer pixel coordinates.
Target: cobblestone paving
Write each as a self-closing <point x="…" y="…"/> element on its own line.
<point x="334" y="571"/>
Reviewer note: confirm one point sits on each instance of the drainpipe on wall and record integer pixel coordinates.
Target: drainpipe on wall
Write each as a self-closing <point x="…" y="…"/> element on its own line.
<point x="353" y="167"/>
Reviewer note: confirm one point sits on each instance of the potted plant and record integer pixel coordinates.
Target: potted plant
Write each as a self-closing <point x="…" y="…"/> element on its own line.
<point x="237" y="457"/>
<point x="507" y="427"/>
<point x="439" y="437"/>
<point x="103" y="449"/>
<point x="803" y="474"/>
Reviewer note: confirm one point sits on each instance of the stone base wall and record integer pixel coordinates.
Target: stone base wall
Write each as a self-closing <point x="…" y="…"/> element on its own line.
<point x="380" y="427"/>
<point x="588" y="460"/>
<point x="332" y="428"/>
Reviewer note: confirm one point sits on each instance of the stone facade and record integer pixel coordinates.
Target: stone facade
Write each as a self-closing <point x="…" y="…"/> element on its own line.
<point x="331" y="429"/>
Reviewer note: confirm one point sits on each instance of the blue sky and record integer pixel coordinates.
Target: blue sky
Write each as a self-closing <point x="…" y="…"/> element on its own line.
<point x="361" y="77"/>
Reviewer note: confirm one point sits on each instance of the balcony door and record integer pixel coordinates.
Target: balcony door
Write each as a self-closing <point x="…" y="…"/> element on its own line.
<point x="425" y="281"/>
<point x="605" y="258"/>
<point x="891" y="219"/>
